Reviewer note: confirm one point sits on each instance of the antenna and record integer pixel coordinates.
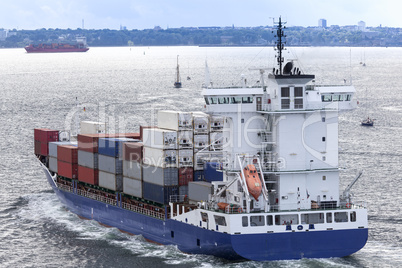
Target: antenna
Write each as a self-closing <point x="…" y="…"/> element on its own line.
<point x="280" y="44"/>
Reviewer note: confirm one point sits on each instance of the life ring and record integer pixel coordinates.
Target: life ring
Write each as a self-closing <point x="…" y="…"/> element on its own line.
<point x="348" y="205"/>
<point x="300" y="227"/>
<point x="240" y="210"/>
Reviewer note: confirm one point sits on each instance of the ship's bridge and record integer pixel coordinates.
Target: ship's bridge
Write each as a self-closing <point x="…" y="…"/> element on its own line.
<point x="229" y="99"/>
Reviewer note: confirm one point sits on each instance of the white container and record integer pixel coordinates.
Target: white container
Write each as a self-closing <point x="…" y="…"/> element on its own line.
<point x="161" y="176"/>
<point x="110" y="181"/>
<point x="89" y="127"/>
<point x="53" y="164"/>
<point x="201" y="123"/>
<point x="110" y="164"/>
<point x="185" y="139"/>
<point x="88" y="159"/>
<point x="53" y="146"/>
<point x="216" y="123"/>
<point x="160" y="158"/>
<point x="186" y="158"/>
<point x="201" y="141"/>
<point x="132" y="187"/>
<point x="159" y="138"/>
<point x="132" y="170"/>
<point x="216" y="140"/>
<point x="199" y="190"/>
<point x="175" y="120"/>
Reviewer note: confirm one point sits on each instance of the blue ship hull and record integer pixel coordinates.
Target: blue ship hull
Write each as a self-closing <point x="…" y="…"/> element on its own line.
<point x="195" y="240"/>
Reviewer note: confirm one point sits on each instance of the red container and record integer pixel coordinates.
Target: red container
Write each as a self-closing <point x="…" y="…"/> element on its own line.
<point x="88" y="142"/>
<point x="141" y="130"/>
<point x="126" y="135"/>
<point x="44" y="148"/>
<point x="37" y="145"/>
<point x="67" y="153"/>
<point x="67" y="170"/>
<point x="132" y="151"/>
<point x="88" y="175"/>
<point x="186" y="175"/>
<point x="46" y="135"/>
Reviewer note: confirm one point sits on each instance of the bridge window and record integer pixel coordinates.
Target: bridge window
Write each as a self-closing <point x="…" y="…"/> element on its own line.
<point x="326" y="98"/>
<point x="207" y="101"/>
<point x="247" y="99"/>
<point x="213" y="100"/>
<point x="223" y="100"/>
<point x="235" y="100"/>
<point x="285" y="98"/>
<point x="335" y="97"/>
<point x="341" y="216"/>
<point x="257" y="221"/>
<point x="348" y="97"/>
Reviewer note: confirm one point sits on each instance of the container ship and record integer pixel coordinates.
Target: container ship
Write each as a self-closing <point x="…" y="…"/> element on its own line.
<point x="79" y="46"/>
<point x="253" y="176"/>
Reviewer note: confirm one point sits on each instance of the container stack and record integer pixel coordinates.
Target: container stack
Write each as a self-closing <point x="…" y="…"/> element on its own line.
<point x="53" y="153"/>
<point x="111" y="162"/>
<point x="67" y="161"/>
<point x="42" y="137"/>
<point x="88" y="158"/>
<point x="132" y="168"/>
<point x="201" y="142"/>
<point x="183" y="124"/>
<point x="216" y="132"/>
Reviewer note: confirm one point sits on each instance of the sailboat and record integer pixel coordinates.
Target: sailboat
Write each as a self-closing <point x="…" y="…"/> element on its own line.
<point x="177" y="84"/>
<point x="368" y="122"/>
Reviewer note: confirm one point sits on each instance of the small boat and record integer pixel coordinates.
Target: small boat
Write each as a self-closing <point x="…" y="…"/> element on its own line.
<point x="368" y="122"/>
<point x="253" y="181"/>
<point x="177" y="84"/>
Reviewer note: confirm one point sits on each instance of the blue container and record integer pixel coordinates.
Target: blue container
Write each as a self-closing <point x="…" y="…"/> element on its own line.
<point x="157" y="193"/>
<point x="212" y="172"/>
<point x="113" y="146"/>
<point x="199" y="175"/>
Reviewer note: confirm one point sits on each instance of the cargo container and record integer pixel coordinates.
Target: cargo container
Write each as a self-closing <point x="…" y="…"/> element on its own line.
<point x="216" y="123"/>
<point x="44" y="148"/>
<point x="185" y="175"/>
<point x="185" y="139"/>
<point x="175" y="120"/>
<point x="89" y="127"/>
<point x="142" y="130"/>
<point x="198" y="175"/>
<point x="216" y="140"/>
<point x="201" y="141"/>
<point x="53" y="164"/>
<point x="132" y="169"/>
<point x="160" y="158"/>
<point x="37" y="147"/>
<point x="87" y="159"/>
<point x="111" y="181"/>
<point x="185" y="158"/>
<point x="132" y="151"/>
<point x="160" y="138"/>
<point x="67" y="170"/>
<point x="112" y="146"/>
<point x="53" y="146"/>
<point x="199" y="191"/>
<point x="160" y="176"/>
<point x="110" y="164"/>
<point x="157" y="193"/>
<point x="88" y="175"/>
<point x="88" y="142"/>
<point x="67" y="153"/>
<point x="183" y="190"/>
<point x="132" y="187"/>
<point x="201" y="123"/>
<point x="213" y="172"/>
<point x="45" y="135"/>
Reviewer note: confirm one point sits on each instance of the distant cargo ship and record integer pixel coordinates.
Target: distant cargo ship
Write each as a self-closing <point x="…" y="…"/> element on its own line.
<point x="79" y="46"/>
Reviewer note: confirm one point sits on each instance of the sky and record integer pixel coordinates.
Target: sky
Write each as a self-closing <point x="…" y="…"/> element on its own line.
<point x="146" y="14"/>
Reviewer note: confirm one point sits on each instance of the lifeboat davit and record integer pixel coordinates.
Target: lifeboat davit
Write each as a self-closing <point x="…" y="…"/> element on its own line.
<point x="253" y="181"/>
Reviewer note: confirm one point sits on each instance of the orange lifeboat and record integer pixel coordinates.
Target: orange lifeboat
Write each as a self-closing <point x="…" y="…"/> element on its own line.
<point x="222" y="205"/>
<point x="253" y="181"/>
